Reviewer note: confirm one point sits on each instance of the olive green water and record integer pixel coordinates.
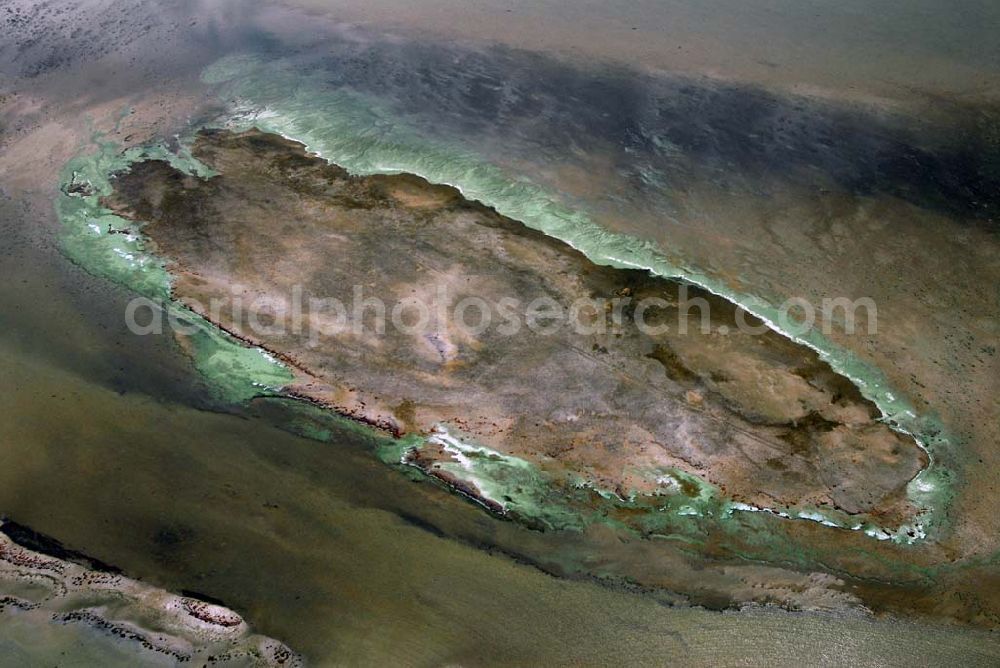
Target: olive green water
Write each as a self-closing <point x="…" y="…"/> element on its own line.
<point x="304" y="538"/>
<point x="109" y="445"/>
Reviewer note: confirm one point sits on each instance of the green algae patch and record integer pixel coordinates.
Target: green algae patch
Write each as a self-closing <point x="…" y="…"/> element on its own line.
<point x="237" y="372"/>
<point x="504" y="483"/>
<point x="323" y="425"/>
<point x="97" y="240"/>
<point x="112" y="247"/>
<point x="510" y="486"/>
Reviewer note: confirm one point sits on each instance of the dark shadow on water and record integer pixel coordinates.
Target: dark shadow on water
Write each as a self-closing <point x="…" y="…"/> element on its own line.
<point x="663" y="127"/>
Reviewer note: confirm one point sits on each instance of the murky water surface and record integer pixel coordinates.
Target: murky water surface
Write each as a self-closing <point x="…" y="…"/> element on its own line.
<point x="688" y="141"/>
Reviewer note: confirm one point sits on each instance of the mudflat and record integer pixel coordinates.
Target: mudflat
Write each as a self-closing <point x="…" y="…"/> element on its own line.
<point x="701" y="388"/>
